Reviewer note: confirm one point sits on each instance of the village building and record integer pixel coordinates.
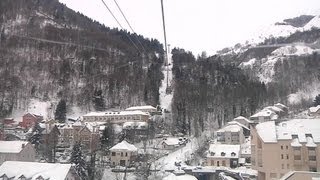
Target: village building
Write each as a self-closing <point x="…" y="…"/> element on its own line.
<point x="242" y="120"/>
<point x="123" y="154"/>
<point x="66" y="134"/>
<point x="135" y="130"/>
<point x="116" y="117"/>
<point x="37" y="171"/>
<point x="277" y="148"/>
<point x="88" y="134"/>
<point x="29" y="120"/>
<point x="314" y="111"/>
<point x="171" y="143"/>
<point x="147" y="109"/>
<point x="16" y="151"/>
<point x="226" y="155"/>
<point x="263" y="116"/>
<point x="303" y="175"/>
<point x="231" y="134"/>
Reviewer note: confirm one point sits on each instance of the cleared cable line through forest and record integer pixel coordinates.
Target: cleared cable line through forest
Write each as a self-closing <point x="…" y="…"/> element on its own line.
<point x="124" y="16"/>
<point x="134" y="44"/>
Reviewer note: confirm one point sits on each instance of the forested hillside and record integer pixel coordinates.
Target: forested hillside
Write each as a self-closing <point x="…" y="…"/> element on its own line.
<point x="50" y="52"/>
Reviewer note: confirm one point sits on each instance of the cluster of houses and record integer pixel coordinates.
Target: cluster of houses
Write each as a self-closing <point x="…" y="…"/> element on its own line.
<point x="16" y="152"/>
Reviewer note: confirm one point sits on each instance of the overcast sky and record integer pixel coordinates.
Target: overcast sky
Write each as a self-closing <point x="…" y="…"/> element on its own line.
<point x="197" y="25"/>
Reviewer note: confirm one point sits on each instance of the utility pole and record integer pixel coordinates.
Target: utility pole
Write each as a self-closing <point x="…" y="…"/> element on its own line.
<point x="165" y="46"/>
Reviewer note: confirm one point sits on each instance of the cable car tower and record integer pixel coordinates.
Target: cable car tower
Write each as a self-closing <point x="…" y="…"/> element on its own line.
<point x="166" y="58"/>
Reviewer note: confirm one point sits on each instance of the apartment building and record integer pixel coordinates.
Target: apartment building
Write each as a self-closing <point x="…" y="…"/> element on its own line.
<point x="231" y="134"/>
<point x="279" y="148"/>
<point x="123" y="154"/>
<point x="226" y="155"/>
<point x="116" y="117"/>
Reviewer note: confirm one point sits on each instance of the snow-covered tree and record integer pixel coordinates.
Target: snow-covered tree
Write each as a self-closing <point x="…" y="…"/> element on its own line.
<point x="35" y="136"/>
<point x="77" y="159"/>
<point x="61" y="110"/>
<point x="316" y="101"/>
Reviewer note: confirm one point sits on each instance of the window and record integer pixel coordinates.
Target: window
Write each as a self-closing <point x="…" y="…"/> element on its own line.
<point x="212" y="153"/>
<point x="313" y="169"/>
<point x="297" y="157"/>
<point x="113" y="154"/>
<point x="121" y="154"/>
<point x="281" y="147"/>
<point x="223" y="163"/>
<point x="281" y="156"/>
<point x="126" y="154"/>
<point x="282" y="166"/>
<point x="312" y="158"/>
<point x="287" y="147"/>
<point x="218" y="163"/>
<point x="223" y="154"/>
<point x="287" y="156"/>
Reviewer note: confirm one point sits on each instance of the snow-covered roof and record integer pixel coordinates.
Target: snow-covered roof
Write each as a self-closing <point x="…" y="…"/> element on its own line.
<point x="274" y="109"/>
<point x="314" y="109"/>
<point x="32" y="170"/>
<point x="12" y="146"/>
<point x="231" y="128"/>
<point x="238" y="123"/>
<point x="124" y="146"/>
<point x="264" y="113"/>
<point x="171" y="141"/>
<point x="296" y="128"/>
<point x="181" y="177"/>
<point x="281" y="106"/>
<point x="224" y="150"/>
<point x="112" y="113"/>
<point x="134" y="108"/>
<point x="295" y="143"/>
<point x="267" y="131"/>
<point x="242" y="118"/>
<point x="135" y="125"/>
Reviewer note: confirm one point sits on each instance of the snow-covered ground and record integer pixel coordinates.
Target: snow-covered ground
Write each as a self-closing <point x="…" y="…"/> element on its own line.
<point x="305" y="93"/>
<point x="166" y="99"/>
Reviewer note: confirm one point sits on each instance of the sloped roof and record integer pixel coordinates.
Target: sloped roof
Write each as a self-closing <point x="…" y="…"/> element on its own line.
<point x="228" y="149"/>
<point x="314" y="109"/>
<point x="12" y="146"/>
<point x="233" y="127"/>
<point x="134" y="108"/>
<point x="172" y="141"/>
<point x="241" y="117"/>
<point x="124" y="146"/>
<point x="32" y="170"/>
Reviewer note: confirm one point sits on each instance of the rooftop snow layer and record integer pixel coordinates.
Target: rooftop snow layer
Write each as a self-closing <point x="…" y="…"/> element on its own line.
<point x="227" y="149"/>
<point x="296" y="128"/>
<point x="134" y="108"/>
<point x="32" y="170"/>
<point x="120" y="113"/>
<point x="267" y="131"/>
<point x="172" y="141"/>
<point x="124" y="146"/>
<point x="12" y="146"/>
<point x="314" y="109"/>
<point x="231" y="128"/>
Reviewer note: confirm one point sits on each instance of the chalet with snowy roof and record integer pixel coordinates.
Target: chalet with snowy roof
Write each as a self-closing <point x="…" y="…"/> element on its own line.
<point x="277" y="148"/>
<point x="16" y="151"/>
<point x="226" y="155"/>
<point x="314" y="111"/>
<point x="37" y="171"/>
<point x="263" y="116"/>
<point x="242" y="120"/>
<point x="231" y="134"/>
<point x="171" y="143"/>
<point x="123" y="154"/>
<point x="119" y="117"/>
<point x="29" y="119"/>
<point x="147" y="109"/>
<point x="245" y="129"/>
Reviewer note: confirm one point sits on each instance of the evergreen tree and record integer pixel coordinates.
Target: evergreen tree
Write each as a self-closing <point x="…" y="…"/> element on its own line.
<point x="316" y="101"/>
<point x="36" y="135"/>
<point x="98" y="100"/>
<point x="78" y="160"/>
<point x="61" y="111"/>
<point x="107" y="138"/>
